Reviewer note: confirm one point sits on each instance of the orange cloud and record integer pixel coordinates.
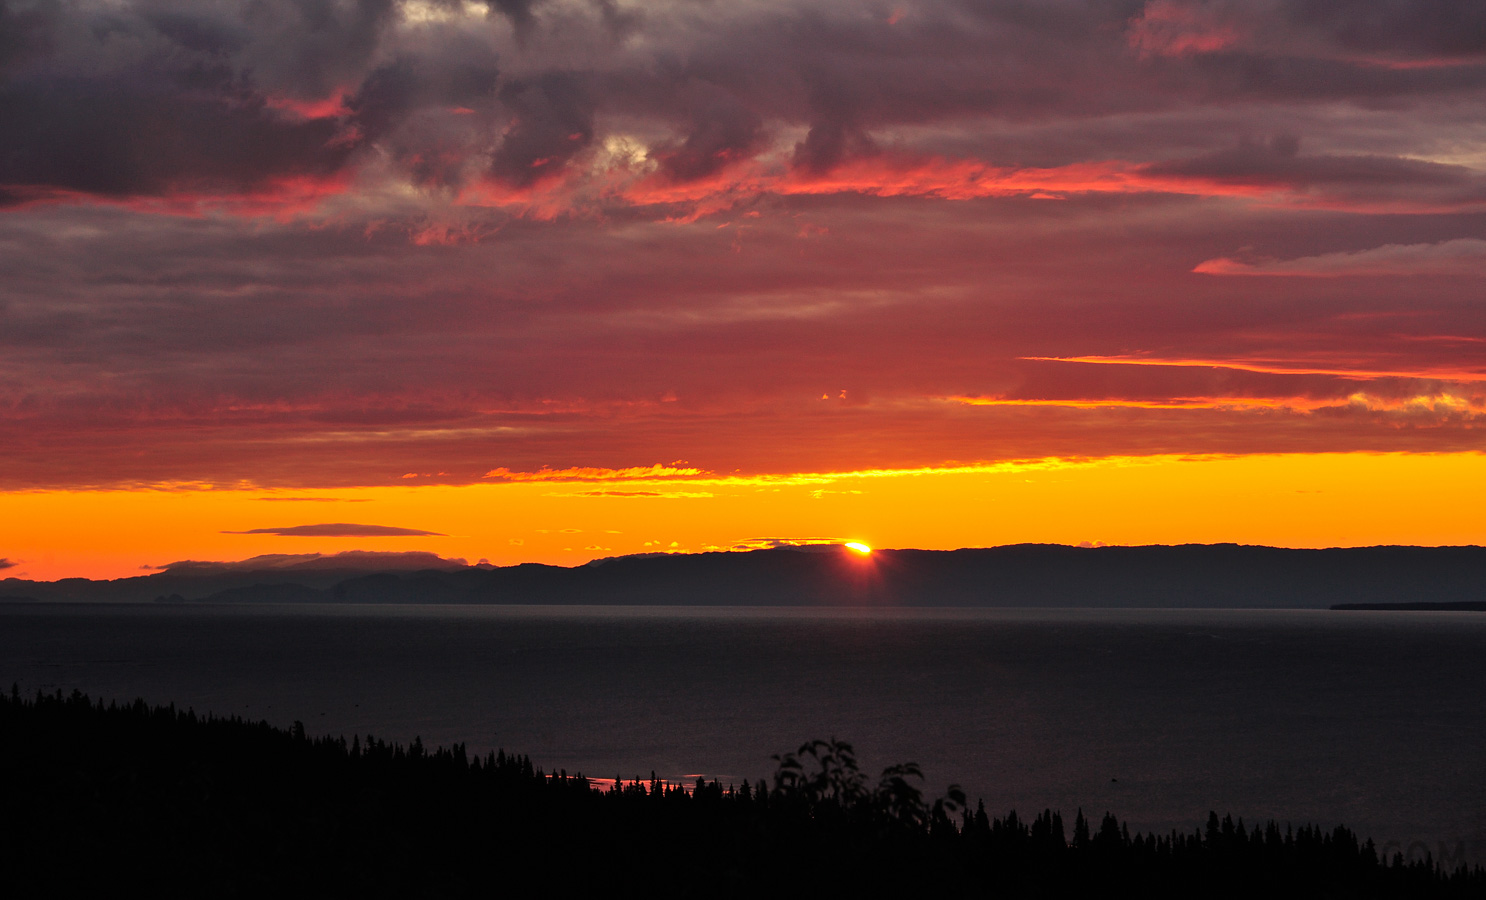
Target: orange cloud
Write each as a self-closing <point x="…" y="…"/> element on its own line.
<point x="1270" y="368"/>
<point x="1173" y="403"/>
<point x="656" y="472"/>
<point x="1437" y="403"/>
<point x="1369" y="184"/>
<point x="672" y="495"/>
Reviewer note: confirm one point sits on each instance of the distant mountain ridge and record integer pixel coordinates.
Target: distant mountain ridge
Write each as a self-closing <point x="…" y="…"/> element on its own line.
<point x="1022" y="575"/>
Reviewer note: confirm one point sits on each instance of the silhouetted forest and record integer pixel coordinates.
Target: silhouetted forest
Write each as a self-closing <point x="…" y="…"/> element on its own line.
<point x="171" y="803"/>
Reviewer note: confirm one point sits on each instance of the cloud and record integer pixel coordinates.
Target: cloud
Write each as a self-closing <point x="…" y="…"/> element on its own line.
<point x="363" y="99"/>
<point x="723" y="132"/>
<point x="1257" y="389"/>
<point x="313" y="499"/>
<point x="1172" y="28"/>
<point x="656" y="472"/>
<point x="1460" y="257"/>
<point x="1347" y="181"/>
<point x="1271" y="367"/>
<point x="1390" y="32"/>
<point x="811" y="544"/>
<point x="341" y="530"/>
<point x="520" y="12"/>
<point x="1443" y="29"/>
<point x="161" y="102"/>
<point x="552" y="121"/>
<point x="407" y="560"/>
<point x="304" y="245"/>
<point x="8" y="564"/>
<point x="673" y="495"/>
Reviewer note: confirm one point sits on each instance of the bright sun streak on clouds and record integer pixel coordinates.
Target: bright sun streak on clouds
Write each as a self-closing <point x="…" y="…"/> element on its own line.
<point x="858" y="547"/>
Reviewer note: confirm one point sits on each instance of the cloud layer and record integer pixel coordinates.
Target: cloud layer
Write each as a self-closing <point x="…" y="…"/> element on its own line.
<point x="297" y="243"/>
<point x="1463" y="256"/>
<point x="341" y="529"/>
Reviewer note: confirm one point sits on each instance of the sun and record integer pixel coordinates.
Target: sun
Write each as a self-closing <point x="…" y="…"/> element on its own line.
<point x="858" y="547"/>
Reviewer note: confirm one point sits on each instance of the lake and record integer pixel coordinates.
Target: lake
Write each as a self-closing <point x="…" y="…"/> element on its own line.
<point x="1375" y="720"/>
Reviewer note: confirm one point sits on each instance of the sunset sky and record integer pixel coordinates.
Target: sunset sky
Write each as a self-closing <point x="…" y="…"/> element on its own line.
<point x="549" y="280"/>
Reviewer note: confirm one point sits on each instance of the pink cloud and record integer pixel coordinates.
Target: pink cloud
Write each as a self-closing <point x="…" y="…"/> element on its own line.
<point x="1461" y="257"/>
<point x="1176" y="28"/>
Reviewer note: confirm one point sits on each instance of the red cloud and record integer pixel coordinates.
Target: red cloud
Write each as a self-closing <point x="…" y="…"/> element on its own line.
<point x="1174" y="28"/>
<point x="1460" y="257"/>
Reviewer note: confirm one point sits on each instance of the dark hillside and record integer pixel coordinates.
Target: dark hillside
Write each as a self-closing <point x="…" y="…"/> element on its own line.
<point x="174" y="804"/>
<point x="1026" y="575"/>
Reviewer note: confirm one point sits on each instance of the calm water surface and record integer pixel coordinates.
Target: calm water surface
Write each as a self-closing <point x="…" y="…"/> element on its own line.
<point x="1377" y="720"/>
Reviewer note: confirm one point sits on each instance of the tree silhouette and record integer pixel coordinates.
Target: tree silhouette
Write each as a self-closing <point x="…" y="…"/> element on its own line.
<point x="180" y="804"/>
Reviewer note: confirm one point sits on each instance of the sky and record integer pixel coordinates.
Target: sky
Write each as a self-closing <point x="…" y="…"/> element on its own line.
<point x="551" y="280"/>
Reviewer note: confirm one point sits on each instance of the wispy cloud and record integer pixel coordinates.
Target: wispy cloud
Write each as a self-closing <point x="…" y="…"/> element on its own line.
<point x="312" y="499"/>
<point x="1269" y="367"/>
<point x="1463" y="256"/>
<point x="656" y="472"/>
<point x="340" y="529"/>
<point x="405" y="560"/>
<point x="774" y="543"/>
<point x="674" y="495"/>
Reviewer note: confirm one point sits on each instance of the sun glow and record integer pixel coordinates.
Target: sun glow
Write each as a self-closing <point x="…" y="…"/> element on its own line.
<point x="1288" y="500"/>
<point x="858" y="547"/>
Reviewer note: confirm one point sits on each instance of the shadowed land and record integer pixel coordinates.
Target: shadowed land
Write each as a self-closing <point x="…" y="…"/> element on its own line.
<point x="1462" y="606"/>
<point x="1025" y="575"/>
<point x="175" y="803"/>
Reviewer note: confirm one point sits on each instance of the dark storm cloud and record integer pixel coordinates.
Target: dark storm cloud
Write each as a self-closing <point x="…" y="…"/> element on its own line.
<point x="25" y="30"/>
<point x="722" y="131"/>
<point x="394" y="91"/>
<point x="520" y="12"/>
<point x="552" y="121"/>
<point x="1421" y="28"/>
<point x="1382" y="31"/>
<point x="835" y="129"/>
<point x="386" y="97"/>
<point x="153" y="135"/>
<point x="162" y="99"/>
<point x="308" y="48"/>
<point x="149" y="101"/>
<point x="341" y="530"/>
<point x="158" y="98"/>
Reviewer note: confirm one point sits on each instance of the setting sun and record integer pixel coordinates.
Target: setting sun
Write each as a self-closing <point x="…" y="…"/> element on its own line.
<point x="858" y="547"/>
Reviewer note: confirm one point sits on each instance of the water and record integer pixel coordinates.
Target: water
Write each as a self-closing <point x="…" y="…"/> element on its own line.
<point x="1376" y="720"/>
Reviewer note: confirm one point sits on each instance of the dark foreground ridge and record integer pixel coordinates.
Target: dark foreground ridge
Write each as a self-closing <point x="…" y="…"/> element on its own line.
<point x="1025" y="575"/>
<point x="1463" y="606"/>
<point x="172" y="803"/>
